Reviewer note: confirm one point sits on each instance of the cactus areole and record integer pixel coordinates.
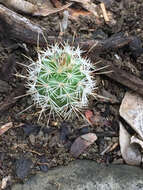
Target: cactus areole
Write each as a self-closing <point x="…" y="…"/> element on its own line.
<point x="60" y="80"/>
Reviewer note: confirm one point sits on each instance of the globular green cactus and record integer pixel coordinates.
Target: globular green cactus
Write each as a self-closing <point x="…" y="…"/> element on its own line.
<point x="60" y="80"/>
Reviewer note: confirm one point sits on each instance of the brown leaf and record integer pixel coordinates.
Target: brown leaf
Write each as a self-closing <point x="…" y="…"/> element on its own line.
<point x="88" y="114"/>
<point x="45" y="11"/>
<point x="131" y="110"/>
<point x="29" y="8"/>
<point x="5" y="127"/>
<point x="88" y="5"/>
<point x="90" y="137"/>
<point x="81" y="143"/>
<point x="73" y="13"/>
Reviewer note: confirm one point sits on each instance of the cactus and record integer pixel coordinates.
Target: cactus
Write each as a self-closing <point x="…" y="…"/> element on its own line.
<point x="60" y="80"/>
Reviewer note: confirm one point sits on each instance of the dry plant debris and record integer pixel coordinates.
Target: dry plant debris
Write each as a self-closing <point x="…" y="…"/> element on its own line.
<point x="104" y="12"/>
<point x="82" y="143"/>
<point x="5" y="127"/>
<point x="29" y="8"/>
<point x="88" y="5"/>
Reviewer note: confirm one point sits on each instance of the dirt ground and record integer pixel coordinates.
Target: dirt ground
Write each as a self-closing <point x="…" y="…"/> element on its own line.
<point x="32" y="145"/>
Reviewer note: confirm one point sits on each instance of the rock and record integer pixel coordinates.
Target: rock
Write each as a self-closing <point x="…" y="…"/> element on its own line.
<point x="4" y="87"/>
<point x="84" y="174"/>
<point x="135" y="140"/>
<point x="130" y="152"/>
<point x="131" y="110"/>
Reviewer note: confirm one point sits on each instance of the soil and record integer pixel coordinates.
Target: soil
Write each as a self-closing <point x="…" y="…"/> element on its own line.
<point x="32" y="145"/>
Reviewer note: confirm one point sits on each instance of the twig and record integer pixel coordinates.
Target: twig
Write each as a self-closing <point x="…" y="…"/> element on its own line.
<point x="5" y="127"/>
<point x="104" y="12"/>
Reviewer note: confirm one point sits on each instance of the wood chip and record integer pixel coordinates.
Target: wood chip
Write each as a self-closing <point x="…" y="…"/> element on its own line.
<point x="29" y="8"/>
<point x="81" y="143"/>
<point x="104" y="12"/>
<point x="5" y="127"/>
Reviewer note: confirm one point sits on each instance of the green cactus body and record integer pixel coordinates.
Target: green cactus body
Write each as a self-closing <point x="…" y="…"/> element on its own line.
<point x="60" y="80"/>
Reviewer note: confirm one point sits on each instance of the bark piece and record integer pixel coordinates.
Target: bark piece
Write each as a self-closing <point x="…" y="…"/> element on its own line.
<point x="132" y="82"/>
<point x="15" y="26"/>
<point x="44" y="11"/>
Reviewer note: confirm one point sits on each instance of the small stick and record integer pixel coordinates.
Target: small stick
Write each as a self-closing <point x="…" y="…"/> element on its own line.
<point x="113" y="147"/>
<point x="106" y="149"/>
<point x="106" y="18"/>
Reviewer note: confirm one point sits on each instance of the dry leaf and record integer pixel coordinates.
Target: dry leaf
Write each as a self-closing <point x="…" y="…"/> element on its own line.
<point x="81" y="143"/>
<point x="20" y="5"/>
<point x="90" y="137"/>
<point x="73" y="13"/>
<point x="45" y="12"/>
<point x="88" y="5"/>
<point x="29" y="8"/>
<point x="130" y="152"/>
<point x="5" y="127"/>
<point x="88" y="115"/>
<point x="96" y="11"/>
<point x="131" y="110"/>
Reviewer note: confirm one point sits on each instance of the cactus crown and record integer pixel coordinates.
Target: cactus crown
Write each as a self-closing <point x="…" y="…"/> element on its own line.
<point x="60" y="80"/>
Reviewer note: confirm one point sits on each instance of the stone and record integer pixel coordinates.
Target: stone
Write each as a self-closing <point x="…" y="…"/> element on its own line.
<point x="130" y="152"/>
<point x="85" y="174"/>
<point x="131" y="110"/>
